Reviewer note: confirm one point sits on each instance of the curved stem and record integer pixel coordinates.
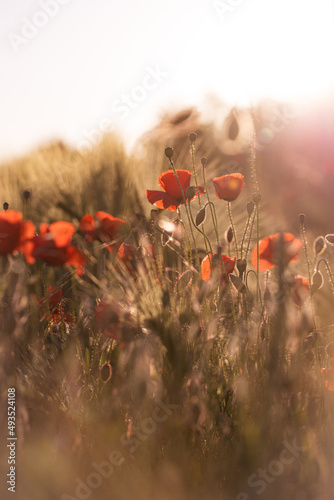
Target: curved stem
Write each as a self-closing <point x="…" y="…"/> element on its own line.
<point x="212" y="210"/>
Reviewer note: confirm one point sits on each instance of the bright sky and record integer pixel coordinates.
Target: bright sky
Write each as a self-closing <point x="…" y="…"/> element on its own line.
<point x="69" y="67"/>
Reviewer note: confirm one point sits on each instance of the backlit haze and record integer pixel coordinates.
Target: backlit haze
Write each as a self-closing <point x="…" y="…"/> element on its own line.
<point x="71" y="68"/>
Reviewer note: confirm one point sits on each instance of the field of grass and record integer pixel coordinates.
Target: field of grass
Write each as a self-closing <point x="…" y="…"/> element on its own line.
<point x="178" y="351"/>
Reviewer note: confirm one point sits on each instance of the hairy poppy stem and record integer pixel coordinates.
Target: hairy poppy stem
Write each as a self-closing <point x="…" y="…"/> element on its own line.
<point x="192" y="152"/>
<point x="329" y="272"/>
<point x="302" y="231"/>
<point x="212" y="208"/>
<point x="185" y="203"/>
<point x="244" y="235"/>
<point x="206" y="239"/>
<point x="186" y="232"/>
<point x="256" y="199"/>
<point x="233" y="228"/>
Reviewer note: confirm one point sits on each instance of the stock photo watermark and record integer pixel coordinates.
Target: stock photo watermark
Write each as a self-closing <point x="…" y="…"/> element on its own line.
<point x="30" y="27"/>
<point x="124" y="104"/>
<point x="104" y="469"/>
<point x="262" y="477"/>
<point x="226" y="7"/>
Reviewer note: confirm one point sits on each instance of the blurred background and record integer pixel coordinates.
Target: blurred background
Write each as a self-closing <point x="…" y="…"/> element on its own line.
<point x="72" y="70"/>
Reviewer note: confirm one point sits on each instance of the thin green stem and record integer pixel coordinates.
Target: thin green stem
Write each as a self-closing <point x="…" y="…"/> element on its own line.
<point x="244" y="234"/>
<point x="185" y="203"/>
<point x="212" y="210"/>
<point x="302" y="230"/>
<point x="329" y="272"/>
<point x="233" y="228"/>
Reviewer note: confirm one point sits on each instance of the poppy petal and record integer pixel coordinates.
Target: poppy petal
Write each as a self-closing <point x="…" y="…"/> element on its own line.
<point x="162" y="200"/>
<point x="62" y="233"/>
<point x="169" y="183"/>
<point x="76" y="258"/>
<point x="228" y="187"/>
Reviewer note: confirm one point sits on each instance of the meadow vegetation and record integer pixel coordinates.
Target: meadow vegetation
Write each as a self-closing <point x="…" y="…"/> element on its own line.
<point x="168" y="339"/>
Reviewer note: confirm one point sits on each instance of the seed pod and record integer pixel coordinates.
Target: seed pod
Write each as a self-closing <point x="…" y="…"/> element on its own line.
<point x="250" y="207"/>
<point x="302" y="218"/>
<point x="204" y="161"/>
<point x="5" y="205"/>
<point x="26" y="194"/>
<point x="256" y="198"/>
<point x="169" y="152"/>
<point x="190" y="192"/>
<point x="229" y="235"/>
<point x="317" y="281"/>
<point x="241" y="265"/>
<point x="192" y="136"/>
<point x="329" y="238"/>
<point x="200" y="217"/>
<point x="238" y="283"/>
<point x="319" y="245"/>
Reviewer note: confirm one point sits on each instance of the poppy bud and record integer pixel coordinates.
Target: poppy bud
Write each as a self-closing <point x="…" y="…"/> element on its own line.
<point x="190" y="192"/>
<point x="204" y="161"/>
<point x="319" y="245"/>
<point x="169" y="152"/>
<point x="250" y="207"/>
<point x="330" y="239"/>
<point x="241" y="265"/>
<point x="238" y="283"/>
<point x="302" y="218"/>
<point x="256" y="198"/>
<point x="192" y="137"/>
<point x="229" y="235"/>
<point x="5" y="205"/>
<point x="200" y="217"/>
<point x="106" y="372"/>
<point x="26" y="194"/>
<point x="317" y="281"/>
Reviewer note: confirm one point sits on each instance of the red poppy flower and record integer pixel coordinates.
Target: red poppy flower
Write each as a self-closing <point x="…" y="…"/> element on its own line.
<point x="209" y="269"/>
<point x="14" y="232"/>
<point x="269" y="248"/>
<point x="228" y="187"/>
<point x="103" y="227"/>
<point x="328" y="374"/>
<point x="300" y="290"/>
<point x="52" y="246"/>
<point x="171" y="197"/>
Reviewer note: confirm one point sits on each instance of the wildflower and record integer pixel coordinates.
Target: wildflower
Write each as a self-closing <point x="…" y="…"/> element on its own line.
<point x="172" y="197"/>
<point x="103" y="227"/>
<point x="14" y="232"/>
<point x="269" y="248"/>
<point x="328" y="374"/>
<point x="52" y="246"/>
<point x="300" y="290"/>
<point x="228" y="187"/>
<point x="208" y="267"/>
